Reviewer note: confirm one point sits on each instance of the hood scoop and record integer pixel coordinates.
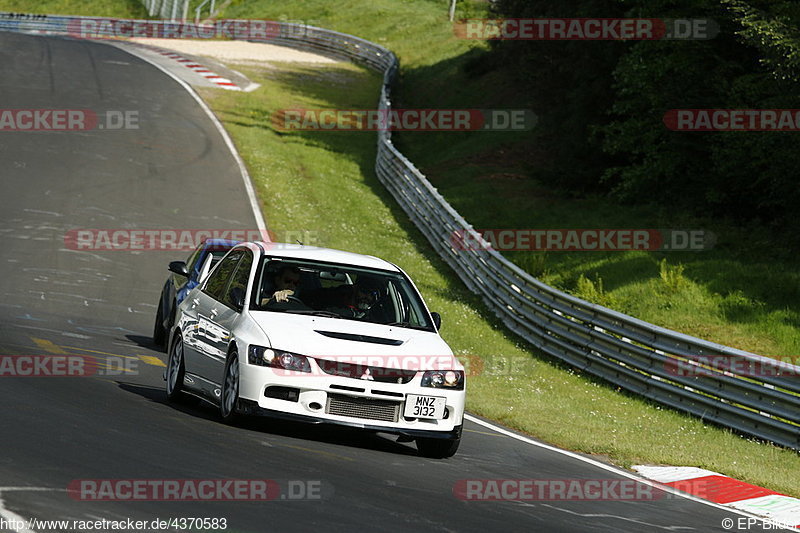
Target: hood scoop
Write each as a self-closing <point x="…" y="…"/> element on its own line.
<point x="359" y="338"/>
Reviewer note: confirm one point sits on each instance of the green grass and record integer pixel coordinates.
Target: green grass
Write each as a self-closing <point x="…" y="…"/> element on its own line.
<point x="323" y="183"/>
<point x="744" y="293"/>
<point x="89" y="8"/>
<point x="418" y="31"/>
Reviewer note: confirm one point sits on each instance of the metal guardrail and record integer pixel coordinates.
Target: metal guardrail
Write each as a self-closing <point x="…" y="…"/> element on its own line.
<point x="199" y="10"/>
<point x="167" y="9"/>
<point x="639" y="357"/>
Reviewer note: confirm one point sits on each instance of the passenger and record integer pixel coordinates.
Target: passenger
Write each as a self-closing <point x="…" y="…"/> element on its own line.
<point x="365" y="294"/>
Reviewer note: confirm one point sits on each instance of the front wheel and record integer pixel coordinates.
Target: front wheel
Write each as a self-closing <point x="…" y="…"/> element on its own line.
<point x="228" y="407"/>
<point x="437" y="448"/>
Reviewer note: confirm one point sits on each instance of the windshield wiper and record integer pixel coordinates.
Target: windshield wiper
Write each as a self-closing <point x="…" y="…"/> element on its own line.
<point x="313" y="312"/>
<point x="407" y="325"/>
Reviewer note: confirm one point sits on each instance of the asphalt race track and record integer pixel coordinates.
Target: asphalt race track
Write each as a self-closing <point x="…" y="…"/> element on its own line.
<point x="175" y="171"/>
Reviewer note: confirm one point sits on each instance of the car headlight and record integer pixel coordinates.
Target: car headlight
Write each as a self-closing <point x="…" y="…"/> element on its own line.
<point x="262" y="356"/>
<point x="443" y="379"/>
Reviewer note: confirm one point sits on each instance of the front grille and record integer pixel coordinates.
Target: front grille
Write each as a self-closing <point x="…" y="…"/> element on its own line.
<point x="365" y="372"/>
<point x="356" y="407"/>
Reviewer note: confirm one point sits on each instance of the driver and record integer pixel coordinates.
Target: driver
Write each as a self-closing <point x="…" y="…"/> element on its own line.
<point x="285" y="283"/>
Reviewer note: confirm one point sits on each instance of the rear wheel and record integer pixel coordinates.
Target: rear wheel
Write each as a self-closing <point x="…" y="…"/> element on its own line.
<point x="175" y="370"/>
<point x="229" y="401"/>
<point x="437" y="448"/>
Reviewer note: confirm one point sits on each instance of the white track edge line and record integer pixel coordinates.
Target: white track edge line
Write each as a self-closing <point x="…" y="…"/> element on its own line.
<point x="248" y="183"/>
<point x="615" y="470"/>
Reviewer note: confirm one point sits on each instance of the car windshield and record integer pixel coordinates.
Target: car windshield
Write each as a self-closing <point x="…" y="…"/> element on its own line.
<point x="339" y="291"/>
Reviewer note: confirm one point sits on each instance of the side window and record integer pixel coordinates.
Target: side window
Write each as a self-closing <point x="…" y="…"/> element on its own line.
<point x="218" y="279"/>
<point x="190" y="263"/>
<point x="235" y="294"/>
<point x="193" y="257"/>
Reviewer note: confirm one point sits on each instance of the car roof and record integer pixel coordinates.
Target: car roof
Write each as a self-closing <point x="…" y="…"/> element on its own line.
<point x="328" y="255"/>
<point x="214" y="241"/>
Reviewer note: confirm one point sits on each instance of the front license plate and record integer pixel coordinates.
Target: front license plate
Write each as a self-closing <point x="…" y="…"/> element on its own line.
<point x="424" y="407"/>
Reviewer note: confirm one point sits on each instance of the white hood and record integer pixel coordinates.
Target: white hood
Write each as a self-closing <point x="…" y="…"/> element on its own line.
<point x="421" y="350"/>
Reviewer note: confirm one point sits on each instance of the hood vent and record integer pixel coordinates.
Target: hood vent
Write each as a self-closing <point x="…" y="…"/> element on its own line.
<point x="359" y="338"/>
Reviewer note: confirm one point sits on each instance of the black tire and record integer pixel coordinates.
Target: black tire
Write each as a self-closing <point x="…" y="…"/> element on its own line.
<point x="229" y="398"/>
<point x="171" y="322"/>
<point x="437" y="448"/>
<point x="159" y="331"/>
<point x="176" y="370"/>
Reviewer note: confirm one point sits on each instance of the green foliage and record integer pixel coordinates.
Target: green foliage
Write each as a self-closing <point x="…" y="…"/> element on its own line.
<point x="535" y="263"/>
<point x="602" y="106"/>
<point x="569" y="86"/>
<point x="593" y="291"/>
<point x="773" y="31"/>
<point x="93" y="8"/>
<point x="747" y="174"/>
<point x="672" y="276"/>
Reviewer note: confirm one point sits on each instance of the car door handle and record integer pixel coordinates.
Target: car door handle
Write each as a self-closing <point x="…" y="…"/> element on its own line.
<point x="214" y="313"/>
<point x="195" y="302"/>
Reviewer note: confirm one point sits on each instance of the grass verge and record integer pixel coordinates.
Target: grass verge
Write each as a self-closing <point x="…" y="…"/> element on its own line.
<point x="87" y="8"/>
<point x="324" y="182"/>
<point x="745" y="292"/>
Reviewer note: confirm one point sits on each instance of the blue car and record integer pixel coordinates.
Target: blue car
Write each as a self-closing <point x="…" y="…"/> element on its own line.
<point x="185" y="276"/>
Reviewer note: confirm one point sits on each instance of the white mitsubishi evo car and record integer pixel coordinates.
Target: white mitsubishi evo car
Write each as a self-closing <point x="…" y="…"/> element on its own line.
<point x="318" y="335"/>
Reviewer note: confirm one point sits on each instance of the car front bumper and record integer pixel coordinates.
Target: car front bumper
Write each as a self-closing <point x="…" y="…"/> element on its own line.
<point x="315" y="398"/>
<point x="251" y="408"/>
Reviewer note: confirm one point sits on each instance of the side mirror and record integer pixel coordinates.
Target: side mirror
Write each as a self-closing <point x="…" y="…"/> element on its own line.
<point x="237" y="297"/>
<point x="437" y="320"/>
<point x="178" y="267"/>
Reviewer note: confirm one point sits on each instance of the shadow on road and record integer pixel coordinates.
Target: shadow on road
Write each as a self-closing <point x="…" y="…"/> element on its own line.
<point x="325" y="433"/>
